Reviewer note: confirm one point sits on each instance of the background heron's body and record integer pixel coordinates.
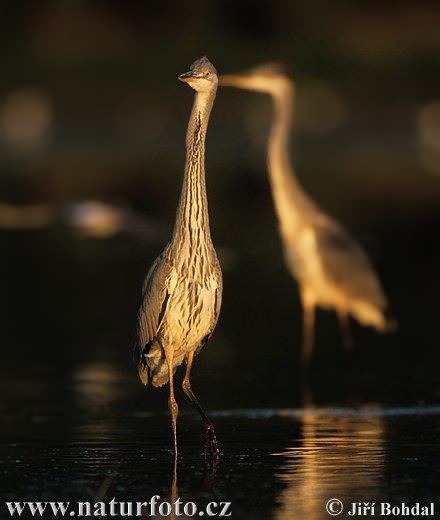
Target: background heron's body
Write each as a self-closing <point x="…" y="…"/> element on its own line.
<point x="182" y="292"/>
<point x="331" y="269"/>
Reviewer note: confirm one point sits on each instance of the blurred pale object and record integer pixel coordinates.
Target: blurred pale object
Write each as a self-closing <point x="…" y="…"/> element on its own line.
<point x="428" y="126"/>
<point x="26" y="118"/>
<point x="321" y="107"/>
<point x="97" y="383"/>
<point x="92" y="218"/>
<point x="95" y="218"/>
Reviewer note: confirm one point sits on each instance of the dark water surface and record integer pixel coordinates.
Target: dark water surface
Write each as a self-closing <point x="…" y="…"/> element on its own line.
<point x="77" y="425"/>
<point x="275" y="463"/>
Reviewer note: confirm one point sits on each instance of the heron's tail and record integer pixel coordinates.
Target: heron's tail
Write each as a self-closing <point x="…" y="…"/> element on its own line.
<point x="374" y="316"/>
<point x="143" y="373"/>
<point x="139" y="358"/>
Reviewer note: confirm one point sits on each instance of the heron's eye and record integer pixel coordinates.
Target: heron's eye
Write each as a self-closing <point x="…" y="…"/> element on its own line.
<point x="206" y="74"/>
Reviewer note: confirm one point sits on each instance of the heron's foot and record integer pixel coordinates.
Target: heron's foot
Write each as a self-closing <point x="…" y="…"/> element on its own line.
<point x="211" y="443"/>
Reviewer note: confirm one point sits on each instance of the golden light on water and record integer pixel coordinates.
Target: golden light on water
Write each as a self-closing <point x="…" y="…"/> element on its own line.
<point x="353" y="444"/>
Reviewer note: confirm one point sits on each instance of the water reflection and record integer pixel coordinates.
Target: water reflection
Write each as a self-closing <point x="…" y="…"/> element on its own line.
<point x="278" y="463"/>
<point x="97" y="384"/>
<point x="338" y="456"/>
<point x="95" y="436"/>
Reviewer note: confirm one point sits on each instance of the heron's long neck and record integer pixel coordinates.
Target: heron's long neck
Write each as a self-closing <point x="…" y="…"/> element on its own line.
<point x="192" y="220"/>
<point x="289" y="198"/>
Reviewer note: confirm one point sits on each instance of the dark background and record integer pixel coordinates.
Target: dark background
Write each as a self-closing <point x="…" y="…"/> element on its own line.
<point x="90" y="108"/>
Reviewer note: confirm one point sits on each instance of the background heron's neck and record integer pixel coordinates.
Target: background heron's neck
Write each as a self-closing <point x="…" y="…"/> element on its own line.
<point x="192" y="213"/>
<point x="290" y="200"/>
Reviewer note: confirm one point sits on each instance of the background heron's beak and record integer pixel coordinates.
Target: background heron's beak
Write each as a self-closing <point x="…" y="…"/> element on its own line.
<point x="231" y="80"/>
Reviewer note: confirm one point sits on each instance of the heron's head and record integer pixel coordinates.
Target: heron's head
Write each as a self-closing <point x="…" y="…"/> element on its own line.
<point x="202" y="76"/>
<point x="269" y="78"/>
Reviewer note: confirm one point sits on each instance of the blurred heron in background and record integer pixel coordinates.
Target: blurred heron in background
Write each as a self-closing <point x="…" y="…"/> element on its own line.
<point x="331" y="269"/>
<point x="182" y="292"/>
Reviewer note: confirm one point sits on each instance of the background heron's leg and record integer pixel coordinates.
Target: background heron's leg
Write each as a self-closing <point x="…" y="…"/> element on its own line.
<point x="211" y="443"/>
<point x="308" y="327"/>
<point x="172" y="404"/>
<point x="344" y="324"/>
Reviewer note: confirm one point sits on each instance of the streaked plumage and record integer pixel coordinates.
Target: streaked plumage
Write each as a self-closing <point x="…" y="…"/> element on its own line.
<point x="331" y="269"/>
<point x="182" y="292"/>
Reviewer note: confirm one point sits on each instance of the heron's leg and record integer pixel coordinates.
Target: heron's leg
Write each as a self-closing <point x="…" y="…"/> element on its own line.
<point x="344" y="323"/>
<point x="172" y="404"/>
<point x="308" y="327"/>
<point x="211" y="444"/>
<point x="174" y="492"/>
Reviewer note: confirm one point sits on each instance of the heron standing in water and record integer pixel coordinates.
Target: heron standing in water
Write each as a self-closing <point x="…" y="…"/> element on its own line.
<point x="182" y="292"/>
<point x="331" y="269"/>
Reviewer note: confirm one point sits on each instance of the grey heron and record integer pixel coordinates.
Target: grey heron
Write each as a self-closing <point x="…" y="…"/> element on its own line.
<point x="182" y="293"/>
<point x="332" y="270"/>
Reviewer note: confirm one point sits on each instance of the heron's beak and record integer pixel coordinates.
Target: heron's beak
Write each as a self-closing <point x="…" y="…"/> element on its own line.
<point x="188" y="76"/>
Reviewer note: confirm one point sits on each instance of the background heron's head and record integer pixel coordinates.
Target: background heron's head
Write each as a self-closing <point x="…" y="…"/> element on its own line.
<point x="269" y="78"/>
<point x="202" y="75"/>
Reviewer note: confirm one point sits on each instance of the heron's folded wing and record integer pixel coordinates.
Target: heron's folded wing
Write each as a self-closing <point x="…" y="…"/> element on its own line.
<point x="346" y="264"/>
<point x="153" y="304"/>
<point x="218" y="295"/>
